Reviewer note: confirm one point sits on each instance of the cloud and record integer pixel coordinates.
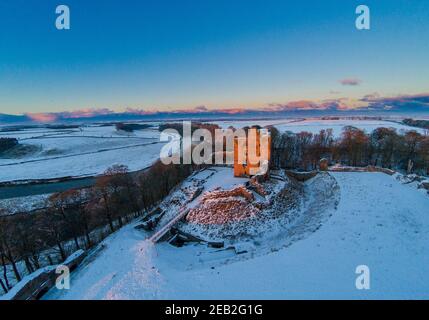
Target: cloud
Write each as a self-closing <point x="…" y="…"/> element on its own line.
<point x="66" y="115"/>
<point x="85" y="113"/>
<point x="350" y="82"/>
<point x="198" y="109"/>
<point x="368" y="103"/>
<point x="42" y="117"/>
<point x="410" y="103"/>
<point x="308" y="105"/>
<point x="295" y="105"/>
<point x="371" y="96"/>
<point x="136" y="111"/>
<point x="201" y="108"/>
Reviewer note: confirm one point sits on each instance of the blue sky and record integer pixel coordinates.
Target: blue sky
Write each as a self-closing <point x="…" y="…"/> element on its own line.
<point x="169" y="55"/>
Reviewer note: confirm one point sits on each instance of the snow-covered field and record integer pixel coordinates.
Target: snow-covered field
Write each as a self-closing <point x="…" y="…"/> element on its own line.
<point x="378" y="222"/>
<point x="85" y="151"/>
<point x="90" y="150"/>
<point x="315" y="125"/>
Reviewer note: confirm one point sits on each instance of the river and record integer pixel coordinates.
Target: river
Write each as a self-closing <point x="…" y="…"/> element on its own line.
<point x="23" y="190"/>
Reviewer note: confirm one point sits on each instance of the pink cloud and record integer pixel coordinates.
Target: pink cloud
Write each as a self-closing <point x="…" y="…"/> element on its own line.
<point x="301" y="105"/>
<point x="42" y="117"/>
<point x="350" y="82"/>
<point x="373" y="101"/>
<point x="85" y="113"/>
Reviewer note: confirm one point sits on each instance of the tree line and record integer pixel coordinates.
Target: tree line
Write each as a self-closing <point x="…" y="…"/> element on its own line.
<point x="384" y="147"/>
<point x="79" y="219"/>
<point x="419" y="123"/>
<point x="7" y="143"/>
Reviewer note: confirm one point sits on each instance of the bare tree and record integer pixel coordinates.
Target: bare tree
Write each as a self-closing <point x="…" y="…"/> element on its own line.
<point x="6" y="239"/>
<point x="61" y="203"/>
<point x="53" y="231"/>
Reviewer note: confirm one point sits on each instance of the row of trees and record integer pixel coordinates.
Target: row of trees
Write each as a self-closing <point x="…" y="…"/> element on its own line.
<point x="78" y="219"/>
<point x="420" y="123"/>
<point x="7" y="143"/>
<point x="130" y="127"/>
<point x="383" y="147"/>
<point x="178" y="126"/>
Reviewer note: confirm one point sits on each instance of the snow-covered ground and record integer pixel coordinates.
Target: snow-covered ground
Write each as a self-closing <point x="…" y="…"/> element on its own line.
<point x="90" y="150"/>
<point x="315" y="125"/>
<point x="24" y="204"/>
<point x="85" y="151"/>
<point x="248" y="123"/>
<point x="378" y="222"/>
<point x="135" y="158"/>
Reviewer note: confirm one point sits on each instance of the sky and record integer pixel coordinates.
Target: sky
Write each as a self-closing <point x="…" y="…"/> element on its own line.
<point x="220" y="54"/>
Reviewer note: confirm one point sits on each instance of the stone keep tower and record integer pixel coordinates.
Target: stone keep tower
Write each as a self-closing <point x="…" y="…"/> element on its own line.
<point x="245" y="169"/>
